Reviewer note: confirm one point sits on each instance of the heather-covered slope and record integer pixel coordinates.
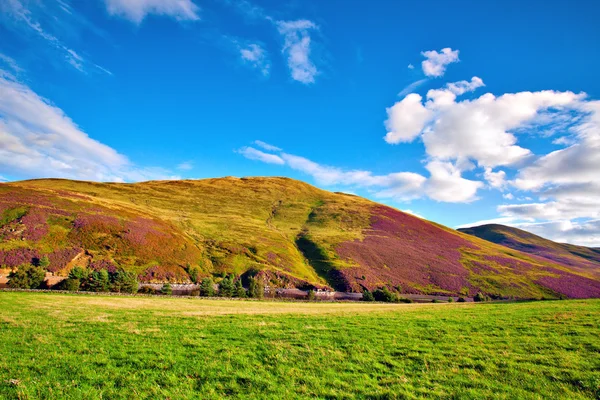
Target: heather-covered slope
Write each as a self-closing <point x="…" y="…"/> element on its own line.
<point x="579" y="257"/>
<point x="291" y="233"/>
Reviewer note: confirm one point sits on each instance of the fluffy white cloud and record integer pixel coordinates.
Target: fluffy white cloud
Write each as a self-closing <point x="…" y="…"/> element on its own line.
<point x="446" y="184"/>
<point x="435" y="63"/>
<point x="37" y="139"/>
<point x="297" y="47"/>
<point x="495" y="179"/>
<point x="586" y="233"/>
<point x="254" y="55"/>
<point x="137" y="10"/>
<point x="255" y="154"/>
<point x="406" y="119"/>
<point x="479" y="129"/>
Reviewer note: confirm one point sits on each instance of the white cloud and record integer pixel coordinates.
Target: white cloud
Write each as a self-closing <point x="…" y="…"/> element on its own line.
<point x="406" y="119"/>
<point x="137" y="10"/>
<point x="435" y="63"/>
<point x="584" y="233"/>
<point x="266" y="146"/>
<point x="508" y="196"/>
<point x="186" y="166"/>
<point x="255" y="154"/>
<point x="446" y="184"/>
<point x="254" y="55"/>
<point x="501" y="220"/>
<point x="478" y="129"/>
<point x="410" y="66"/>
<point x="462" y="87"/>
<point x="297" y="47"/>
<point x="496" y="180"/>
<point x="10" y="63"/>
<point x="37" y="139"/>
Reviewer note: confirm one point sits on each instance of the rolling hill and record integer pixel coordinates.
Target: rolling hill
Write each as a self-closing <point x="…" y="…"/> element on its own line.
<point x="585" y="259"/>
<point x="290" y="233"/>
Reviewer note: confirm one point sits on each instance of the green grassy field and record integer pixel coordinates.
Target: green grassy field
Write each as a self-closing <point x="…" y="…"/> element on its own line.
<point x="73" y="346"/>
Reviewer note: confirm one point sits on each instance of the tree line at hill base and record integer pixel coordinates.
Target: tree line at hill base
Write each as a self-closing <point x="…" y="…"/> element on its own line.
<point x="29" y="276"/>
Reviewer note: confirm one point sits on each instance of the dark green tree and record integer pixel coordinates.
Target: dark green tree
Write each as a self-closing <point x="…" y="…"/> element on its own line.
<point x="226" y="286"/>
<point x="194" y="273"/>
<point x="26" y="276"/>
<point x="99" y="281"/>
<point x="167" y="290"/>
<point x="125" y="282"/>
<point x="207" y="287"/>
<point x="239" y="290"/>
<point x="367" y="295"/>
<point x="44" y="262"/>
<point x="310" y="295"/>
<point x="256" y="289"/>
<point x="70" y="284"/>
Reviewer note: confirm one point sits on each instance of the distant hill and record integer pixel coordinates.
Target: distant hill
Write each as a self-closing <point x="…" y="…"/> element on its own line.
<point x="290" y="233"/>
<point x="579" y="257"/>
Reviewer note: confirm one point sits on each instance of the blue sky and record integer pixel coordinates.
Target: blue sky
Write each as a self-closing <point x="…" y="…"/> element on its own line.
<point x="460" y="112"/>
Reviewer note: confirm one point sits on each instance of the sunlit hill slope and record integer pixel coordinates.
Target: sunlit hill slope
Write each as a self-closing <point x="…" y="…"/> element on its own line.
<point x="288" y="232"/>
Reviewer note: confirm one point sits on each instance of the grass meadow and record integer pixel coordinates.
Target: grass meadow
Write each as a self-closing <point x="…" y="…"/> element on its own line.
<point x="87" y="347"/>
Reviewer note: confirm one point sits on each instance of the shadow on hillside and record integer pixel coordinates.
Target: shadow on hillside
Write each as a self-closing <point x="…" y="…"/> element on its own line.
<point x="318" y="260"/>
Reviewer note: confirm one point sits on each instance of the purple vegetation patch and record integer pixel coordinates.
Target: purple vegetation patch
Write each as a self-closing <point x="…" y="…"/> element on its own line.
<point x="15" y="257"/>
<point x="100" y="265"/>
<point x="407" y="251"/>
<point x="571" y="285"/>
<point x="59" y="259"/>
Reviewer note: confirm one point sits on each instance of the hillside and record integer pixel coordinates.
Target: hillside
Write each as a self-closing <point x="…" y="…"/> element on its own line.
<point x="578" y="257"/>
<point x="289" y="232"/>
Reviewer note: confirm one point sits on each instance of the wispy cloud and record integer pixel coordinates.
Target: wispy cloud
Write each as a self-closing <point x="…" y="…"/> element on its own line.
<point x="186" y="166"/>
<point x="37" y="139"/>
<point x="137" y="10"/>
<point x="266" y="146"/>
<point x="24" y="18"/>
<point x="297" y="47"/>
<point x="411" y="87"/>
<point x="257" y="57"/>
<point x="255" y="154"/>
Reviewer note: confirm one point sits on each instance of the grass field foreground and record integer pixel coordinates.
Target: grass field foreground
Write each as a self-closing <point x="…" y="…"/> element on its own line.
<point x="83" y="347"/>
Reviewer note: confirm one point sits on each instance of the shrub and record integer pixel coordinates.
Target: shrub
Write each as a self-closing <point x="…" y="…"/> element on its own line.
<point x="195" y="293"/>
<point x="256" y="289"/>
<point x="147" y="290"/>
<point x="166" y="290"/>
<point x="207" y="288"/>
<point x="461" y="300"/>
<point x="311" y="295"/>
<point x="367" y="296"/>
<point x="27" y="276"/>
<point x="70" y="284"/>
<point x="435" y="301"/>
<point x="239" y="290"/>
<point x="385" y="295"/>
<point x="450" y="300"/>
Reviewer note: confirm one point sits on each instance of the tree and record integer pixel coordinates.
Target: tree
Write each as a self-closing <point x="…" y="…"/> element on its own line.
<point x="125" y="282"/>
<point x="167" y="290"/>
<point x="385" y="295"/>
<point x="310" y="295"/>
<point x="194" y="273"/>
<point x="256" y="289"/>
<point x="480" y="297"/>
<point x="226" y="286"/>
<point x="367" y="296"/>
<point x="44" y="262"/>
<point x="100" y="281"/>
<point x="207" y="288"/>
<point x="26" y="276"/>
<point x="239" y="290"/>
<point x="461" y="300"/>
